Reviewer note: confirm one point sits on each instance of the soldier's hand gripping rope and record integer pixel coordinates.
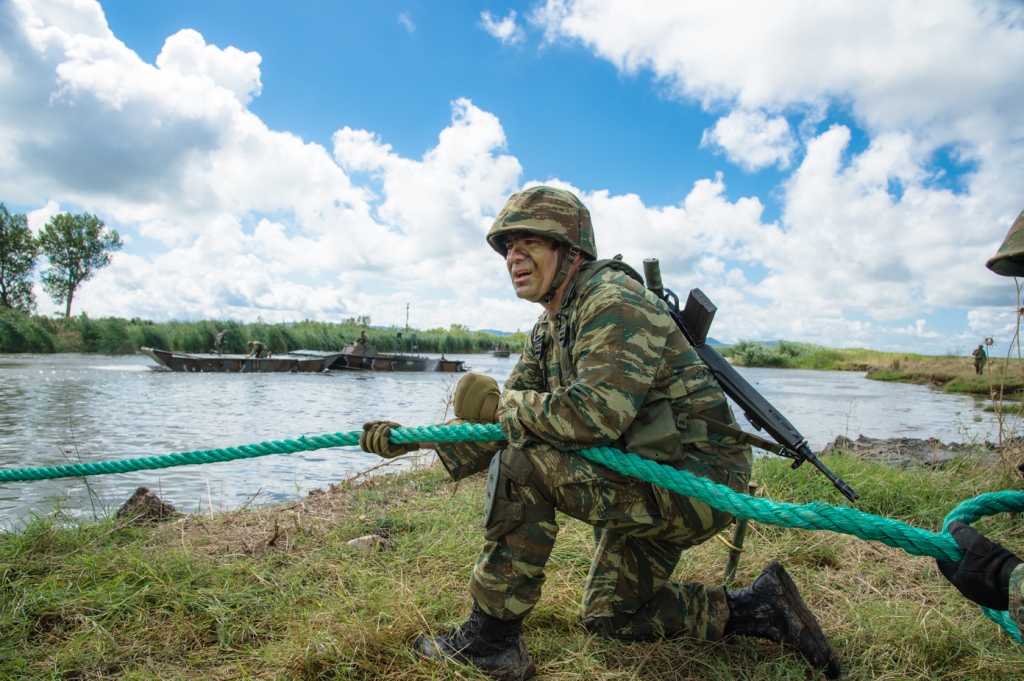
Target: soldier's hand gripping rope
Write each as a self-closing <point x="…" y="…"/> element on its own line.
<point x="375" y="439"/>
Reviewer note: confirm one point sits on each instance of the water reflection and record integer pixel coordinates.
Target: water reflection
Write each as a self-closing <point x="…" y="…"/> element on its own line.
<point x="55" y="409"/>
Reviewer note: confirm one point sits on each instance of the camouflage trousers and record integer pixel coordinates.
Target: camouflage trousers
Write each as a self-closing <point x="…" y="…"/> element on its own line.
<point x="640" y="532"/>
<point x="1017" y="596"/>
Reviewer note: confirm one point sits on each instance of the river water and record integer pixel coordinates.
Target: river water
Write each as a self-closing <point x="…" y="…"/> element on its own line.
<point x="56" y="409"/>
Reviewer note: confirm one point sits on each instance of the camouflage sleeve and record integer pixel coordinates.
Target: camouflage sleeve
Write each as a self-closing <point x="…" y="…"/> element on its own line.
<point x="1017" y="596"/>
<point x="463" y="459"/>
<point x="527" y="375"/>
<point x="620" y="340"/>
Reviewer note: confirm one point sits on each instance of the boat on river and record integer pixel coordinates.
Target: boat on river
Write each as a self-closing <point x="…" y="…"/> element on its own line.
<point x="295" y="362"/>
<point x="363" y="357"/>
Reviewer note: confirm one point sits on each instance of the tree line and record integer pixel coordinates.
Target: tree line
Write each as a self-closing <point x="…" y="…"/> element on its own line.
<point x="76" y="246"/>
<point x="21" y="332"/>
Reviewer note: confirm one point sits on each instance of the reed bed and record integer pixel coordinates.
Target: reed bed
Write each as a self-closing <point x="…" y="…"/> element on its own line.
<point x="20" y="332"/>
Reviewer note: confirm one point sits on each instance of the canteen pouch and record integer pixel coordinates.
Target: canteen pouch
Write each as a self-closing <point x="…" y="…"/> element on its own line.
<point x="502" y="515"/>
<point x="654" y="435"/>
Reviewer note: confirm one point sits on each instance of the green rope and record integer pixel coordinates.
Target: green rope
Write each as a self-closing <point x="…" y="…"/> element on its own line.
<point x="814" y="516"/>
<point x="462" y="433"/>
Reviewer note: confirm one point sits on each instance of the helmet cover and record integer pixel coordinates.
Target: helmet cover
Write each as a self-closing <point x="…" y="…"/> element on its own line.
<point x="1009" y="259"/>
<point x="545" y="211"/>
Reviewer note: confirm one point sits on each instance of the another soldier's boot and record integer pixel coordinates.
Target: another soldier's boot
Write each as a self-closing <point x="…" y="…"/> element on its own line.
<point x="771" y="608"/>
<point x="492" y="645"/>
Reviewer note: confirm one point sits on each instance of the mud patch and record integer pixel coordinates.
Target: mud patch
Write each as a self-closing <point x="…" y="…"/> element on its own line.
<point x="905" y="452"/>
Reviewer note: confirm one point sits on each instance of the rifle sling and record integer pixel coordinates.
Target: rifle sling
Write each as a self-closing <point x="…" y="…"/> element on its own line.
<point x="741" y="436"/>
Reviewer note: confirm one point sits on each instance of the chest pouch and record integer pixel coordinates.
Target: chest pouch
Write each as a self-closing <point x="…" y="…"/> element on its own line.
<point x="653" y="434"/>
<point x="503" y="515"/>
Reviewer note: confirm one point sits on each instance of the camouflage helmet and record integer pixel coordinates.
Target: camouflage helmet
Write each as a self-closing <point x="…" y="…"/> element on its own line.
<point x="1009" y="260"/>
<point x="546" y="211"/>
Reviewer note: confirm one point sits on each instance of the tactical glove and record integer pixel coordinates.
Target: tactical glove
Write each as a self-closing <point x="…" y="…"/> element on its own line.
<point x="983" y="574"/>
<point x="375" y="439"/>
<point x="476" y="398"/>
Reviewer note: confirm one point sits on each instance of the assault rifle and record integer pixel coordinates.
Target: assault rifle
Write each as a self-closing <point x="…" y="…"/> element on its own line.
<point x="694" y="321"/>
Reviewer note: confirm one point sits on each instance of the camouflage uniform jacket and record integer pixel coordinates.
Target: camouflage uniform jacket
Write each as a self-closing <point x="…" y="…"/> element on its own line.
<point x="588" y="371"/>
<point x="1017" y="596"/>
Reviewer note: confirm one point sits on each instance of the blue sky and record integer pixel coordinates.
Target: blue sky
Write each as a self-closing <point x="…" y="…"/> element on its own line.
<point x="828" y="174"/>
<point x="359" y="64"/>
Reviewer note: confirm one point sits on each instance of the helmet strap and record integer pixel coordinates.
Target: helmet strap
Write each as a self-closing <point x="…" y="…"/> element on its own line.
<point x="563" y="272"/>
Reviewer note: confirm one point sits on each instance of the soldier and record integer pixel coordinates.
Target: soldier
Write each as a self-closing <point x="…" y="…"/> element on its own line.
<point x="988" y="574"/>
<point x="362" y="337"/>
<point x="257" y="349"/>
<point x="219" y="341"/>
<point x="979" y="359"/>
<point x="605" y="365"/>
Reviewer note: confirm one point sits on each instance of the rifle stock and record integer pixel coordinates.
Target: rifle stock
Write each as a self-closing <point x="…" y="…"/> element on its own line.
<point x="695" y="321"/>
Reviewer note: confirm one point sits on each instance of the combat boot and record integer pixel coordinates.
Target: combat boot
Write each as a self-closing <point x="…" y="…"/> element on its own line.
<point x="492" y="645"/>
<point x="771" y="608"/>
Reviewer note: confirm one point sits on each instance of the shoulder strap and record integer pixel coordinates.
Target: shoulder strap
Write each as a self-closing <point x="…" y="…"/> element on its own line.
<point x="539" y="340"/>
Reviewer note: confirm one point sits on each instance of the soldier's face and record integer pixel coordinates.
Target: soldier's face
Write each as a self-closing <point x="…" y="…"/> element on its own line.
<point x="532" y="263"/>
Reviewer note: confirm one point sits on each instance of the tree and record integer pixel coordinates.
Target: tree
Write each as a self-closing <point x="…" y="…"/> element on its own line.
<point x="18" y="253"/>
<point x="76" y="246"/>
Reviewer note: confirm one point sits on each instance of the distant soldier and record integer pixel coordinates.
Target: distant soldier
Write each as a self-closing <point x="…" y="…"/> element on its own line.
<point x="362" y="338"/>
<point x="220" y="341"/>
<point x="257" y="349"/>
<point x="979" y="359"/>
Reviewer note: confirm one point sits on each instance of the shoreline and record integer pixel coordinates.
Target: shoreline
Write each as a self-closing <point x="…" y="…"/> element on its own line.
<point x="1000" y="377"/>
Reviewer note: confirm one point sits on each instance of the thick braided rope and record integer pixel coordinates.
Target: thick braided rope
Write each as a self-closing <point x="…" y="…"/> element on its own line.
<point x="822" y="516"/>
<point x="813" y="516"/>
<point x="461" y="433"/>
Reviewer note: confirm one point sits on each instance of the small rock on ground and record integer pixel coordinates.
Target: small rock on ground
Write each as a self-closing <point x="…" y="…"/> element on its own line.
<point x="371" y="542"/>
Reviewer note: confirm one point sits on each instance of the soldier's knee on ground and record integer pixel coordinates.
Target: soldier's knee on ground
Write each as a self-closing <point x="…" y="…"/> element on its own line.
<point x="677" y="610"/>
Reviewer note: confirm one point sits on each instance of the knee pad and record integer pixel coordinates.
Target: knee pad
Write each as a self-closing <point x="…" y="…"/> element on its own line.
<point x="502" y="514"/>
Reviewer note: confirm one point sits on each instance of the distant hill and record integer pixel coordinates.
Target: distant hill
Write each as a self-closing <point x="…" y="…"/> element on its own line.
<point x="716" y="343"/>
<point x="496" y="333"/>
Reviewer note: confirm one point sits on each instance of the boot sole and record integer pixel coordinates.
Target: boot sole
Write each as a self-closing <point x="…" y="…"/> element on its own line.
<point x="831" y="668"/>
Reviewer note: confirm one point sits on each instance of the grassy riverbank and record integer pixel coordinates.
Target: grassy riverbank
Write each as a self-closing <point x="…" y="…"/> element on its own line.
<point x="276" y="592"/>
<point x="20" y="332"/>
<point x="947" y="372"/>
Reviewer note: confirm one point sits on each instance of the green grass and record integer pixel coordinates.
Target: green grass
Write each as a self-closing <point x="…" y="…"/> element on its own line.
<point x="276" y="592"/>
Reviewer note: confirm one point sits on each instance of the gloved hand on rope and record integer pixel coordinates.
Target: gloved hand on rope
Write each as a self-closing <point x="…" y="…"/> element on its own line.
<point x="375" y="439"/>
<point x="983" y="574"/>
<point x="476" y="398"/>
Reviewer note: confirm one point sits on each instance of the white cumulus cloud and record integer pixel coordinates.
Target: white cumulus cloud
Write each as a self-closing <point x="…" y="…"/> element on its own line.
<point x="225" y="217"/>
<point x="506" y="30"/>
<point x="752" y="140"/>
